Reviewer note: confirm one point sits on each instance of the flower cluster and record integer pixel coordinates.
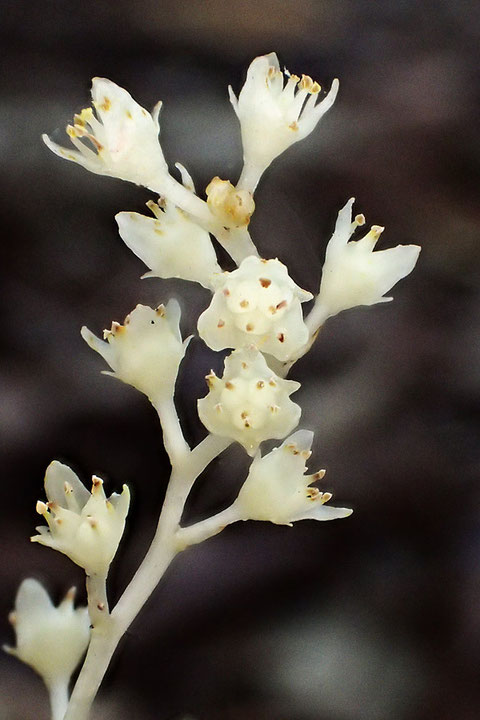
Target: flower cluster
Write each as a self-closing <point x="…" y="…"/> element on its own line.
<point x="81" y="524"/>
<point x="255" y="312"/>
<point x="50" y="639"/>
<point x="249" y="403"/>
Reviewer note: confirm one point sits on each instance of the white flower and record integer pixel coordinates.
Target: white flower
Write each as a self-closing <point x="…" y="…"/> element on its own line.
<point x="170" y="244"/>
<point x="355" y="275"/>
<point x="249" y="403"/>
<point x="233" y="207"/>
<point x="278" y="490"/>
<point x="258" y="303"/>
<point x="123" y="138"/>
<point x="146" y="351"/>
<point x="272" y="115"/>
<point x="81" y="524"/>
<point x="52" y="640"/>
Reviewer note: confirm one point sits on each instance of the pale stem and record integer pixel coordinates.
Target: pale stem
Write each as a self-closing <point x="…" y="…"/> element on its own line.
<point x="316" y="317"/>
<point x="250" y="177"/>
<point x="183" y="198"/>
<point x="97" y="599"/>
<point x="205" y="529"/>
<point x="237" y="242"/>
<point x="58" y="693"/>
<point x="174" y="441"/>
<point x="107" y="635"/>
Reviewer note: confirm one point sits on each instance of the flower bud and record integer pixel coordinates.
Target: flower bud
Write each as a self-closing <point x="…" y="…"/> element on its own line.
<point x="355" y="275"/>
<point x="232" y="207"/>
<point x="52" y="640"/>
<point x="278" y="490"/>
<point x="258" y="304"/>
<point x="249" y="403"/>
<point x="146" y="351"/>
<point x="81" y="524"/>
<point x="122" y="141"/>
<point x="274" y="115"/>
<point x="170" y="244"/>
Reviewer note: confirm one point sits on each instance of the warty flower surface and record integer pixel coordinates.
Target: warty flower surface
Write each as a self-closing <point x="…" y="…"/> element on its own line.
<point x="233" y="207"/>
<point x="81" y="524"/>
<point x="278" y="490"/>
<point x="122" y="141"/>
<point x="170" y="244"/>
<point x="52" y="640"/>
<point x="355" y="275"/>
<point x="249" y="403"/>
<point x="274" y="115"/>
<point x="146" y="350"/>
<point x="257" y="304"/>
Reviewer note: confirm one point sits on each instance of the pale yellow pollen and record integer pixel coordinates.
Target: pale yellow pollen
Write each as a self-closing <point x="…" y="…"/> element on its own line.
<point x="376" y="231"/>
<point x="41" y="508"/>
<point x="244" y="304"/>
<point x="260" y="384"/>
<point x="70" y="594"/>
<point x="210" y="378"/>
<point x="106" y="105"/>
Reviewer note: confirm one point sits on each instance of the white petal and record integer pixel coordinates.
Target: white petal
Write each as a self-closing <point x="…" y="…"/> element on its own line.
<point x="56" y="476"/>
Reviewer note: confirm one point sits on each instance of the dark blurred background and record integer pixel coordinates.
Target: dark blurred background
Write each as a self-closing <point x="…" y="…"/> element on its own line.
<point x="372" y="618"/>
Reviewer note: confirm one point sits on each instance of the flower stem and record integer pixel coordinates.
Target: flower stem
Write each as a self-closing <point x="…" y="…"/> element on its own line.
<point x="250" y="177"/>
<point x="205" y="529"/>
<point x="173" y="439"/>
<point x="58" y="693"/>
<point x="97" y="599"/>
<point x="107" y="634"/>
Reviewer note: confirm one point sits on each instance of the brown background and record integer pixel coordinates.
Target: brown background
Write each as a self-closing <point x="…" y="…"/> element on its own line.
<point x="373" y="618"/>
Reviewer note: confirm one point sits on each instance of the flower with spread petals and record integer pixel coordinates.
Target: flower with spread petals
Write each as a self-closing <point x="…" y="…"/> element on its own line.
<point x="81" y="524"/>
<point x="256" y="304"/>
<point x="274" y="115"/>
<point x="122" y="141"/>
<point x="355" y="275"/>
<point x="278" y="490"/>
<point x="249" y="403"/>
<point x="52" y="640"/>
<point x="146" y="350"/>
<point x="233" y="207"/>
<point x="170" y="244"/>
